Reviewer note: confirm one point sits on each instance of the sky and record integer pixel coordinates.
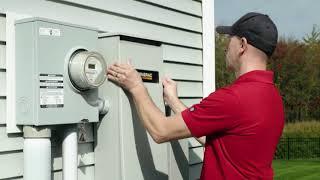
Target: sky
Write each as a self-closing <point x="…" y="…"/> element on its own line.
<point x="294" y="18"/>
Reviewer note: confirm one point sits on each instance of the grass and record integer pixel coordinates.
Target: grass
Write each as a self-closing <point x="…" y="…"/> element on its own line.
<point x="296" y="169"/>
<point x="299" y="169"/>
<point x="302" y="129"/>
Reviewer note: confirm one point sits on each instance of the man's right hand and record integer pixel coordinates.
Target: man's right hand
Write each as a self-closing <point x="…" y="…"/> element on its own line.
<point x="170" y="95"/>
<point x="170" y="91"/>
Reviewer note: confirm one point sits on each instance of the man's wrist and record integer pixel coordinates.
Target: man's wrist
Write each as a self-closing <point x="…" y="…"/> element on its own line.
<point x="137" y="89"/>
<point x="176" y="105"/>
<point x="173" y="101"/>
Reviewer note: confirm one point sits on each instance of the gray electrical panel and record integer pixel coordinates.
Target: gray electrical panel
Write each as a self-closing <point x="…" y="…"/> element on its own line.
<point x="45" y="94"/>
<point x="132" y="153"/>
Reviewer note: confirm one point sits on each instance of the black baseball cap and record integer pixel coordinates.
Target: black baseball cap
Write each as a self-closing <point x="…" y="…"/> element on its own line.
<point x="257" y="28"/>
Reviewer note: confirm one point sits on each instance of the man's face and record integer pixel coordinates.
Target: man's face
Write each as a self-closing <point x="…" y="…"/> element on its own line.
<point x="232" y="52"/>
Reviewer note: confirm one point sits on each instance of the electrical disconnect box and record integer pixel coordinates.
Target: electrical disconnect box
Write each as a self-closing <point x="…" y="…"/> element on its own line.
<point x="58" y="72"/>
<point x="132" y="153"/>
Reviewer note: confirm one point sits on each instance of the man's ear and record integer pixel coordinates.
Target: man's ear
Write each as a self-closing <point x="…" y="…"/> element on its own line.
<point x="244" y="45"/>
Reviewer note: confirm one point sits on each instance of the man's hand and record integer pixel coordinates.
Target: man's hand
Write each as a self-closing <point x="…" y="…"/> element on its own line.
<point x="125" y="76"/>
<point x="170" y="95"/>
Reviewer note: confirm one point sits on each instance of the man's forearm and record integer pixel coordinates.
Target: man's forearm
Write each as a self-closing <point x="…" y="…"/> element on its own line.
<point x="177" y="106"/>
<point x="150" y="115"/>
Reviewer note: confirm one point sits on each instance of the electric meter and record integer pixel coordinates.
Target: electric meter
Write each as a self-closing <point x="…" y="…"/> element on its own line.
<point x="54" y="80"/>
<point x="87" y="70"/>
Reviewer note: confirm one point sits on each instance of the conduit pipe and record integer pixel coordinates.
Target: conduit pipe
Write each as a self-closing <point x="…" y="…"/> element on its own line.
<point x="37" y="153"/>
<point x="70" y="154"/>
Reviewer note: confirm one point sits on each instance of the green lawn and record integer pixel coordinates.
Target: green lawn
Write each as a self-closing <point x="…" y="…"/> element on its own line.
<point x="296" y="170"/>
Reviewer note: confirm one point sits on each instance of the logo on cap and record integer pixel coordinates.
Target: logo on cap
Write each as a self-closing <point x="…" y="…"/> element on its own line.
<point x="192" y="109"/>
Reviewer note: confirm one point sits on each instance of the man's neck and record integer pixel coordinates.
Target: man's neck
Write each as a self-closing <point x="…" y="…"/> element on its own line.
<point x="244" y="68"/>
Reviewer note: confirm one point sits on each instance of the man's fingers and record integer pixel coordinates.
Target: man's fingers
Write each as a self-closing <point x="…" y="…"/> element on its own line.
<point x="123" y="66"/>
<point x="164" y="81"/>
<point x="112" y="72"/>
<point x="112" y="78"/>
<point x="117" y="69"/>
<point x="170" y="80"/>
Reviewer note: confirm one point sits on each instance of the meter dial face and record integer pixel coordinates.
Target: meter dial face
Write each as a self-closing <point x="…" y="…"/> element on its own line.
<point x="87" y="70"/>
<point x="94" y="71"/>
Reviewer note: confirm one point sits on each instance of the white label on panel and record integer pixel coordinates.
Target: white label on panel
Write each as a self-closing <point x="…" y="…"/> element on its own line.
<point x="49" y="32"/>
<point x="51" y="91"/>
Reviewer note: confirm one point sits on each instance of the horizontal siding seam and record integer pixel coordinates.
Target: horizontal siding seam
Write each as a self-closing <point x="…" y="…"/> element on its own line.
<point x="80" y="166"/>
<point x="187" y="80"/>
<point x="194" y="164"/>
<point x="124" y="16"/>
<point x="12" y="178"/>
<point x="168" y="8"/>
<point x="190" y="97"/>
<point x="169" y="61"/>
<point x="11" y="152"/>
<point x="194" y="147"/>
<point x="179" y="45"/>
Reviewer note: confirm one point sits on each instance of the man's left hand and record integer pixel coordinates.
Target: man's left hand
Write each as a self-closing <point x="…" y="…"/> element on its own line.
<point x="125" y="76"/>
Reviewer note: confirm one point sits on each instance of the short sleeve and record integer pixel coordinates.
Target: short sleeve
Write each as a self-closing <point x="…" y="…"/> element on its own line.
<point x="216" y="113"/>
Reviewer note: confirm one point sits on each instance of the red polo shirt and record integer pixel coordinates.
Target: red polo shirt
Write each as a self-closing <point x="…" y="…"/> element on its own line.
<point x="242" y="124"/>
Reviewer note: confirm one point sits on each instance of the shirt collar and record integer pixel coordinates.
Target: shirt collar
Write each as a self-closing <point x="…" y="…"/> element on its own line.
<point x="257" y="76"/>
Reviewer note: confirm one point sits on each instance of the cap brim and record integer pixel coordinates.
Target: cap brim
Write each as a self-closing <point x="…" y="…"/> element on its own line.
<point x="224" y="30"/>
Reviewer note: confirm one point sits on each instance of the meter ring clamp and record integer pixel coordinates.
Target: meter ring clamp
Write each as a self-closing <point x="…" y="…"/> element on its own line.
<point x="86" y="70"/>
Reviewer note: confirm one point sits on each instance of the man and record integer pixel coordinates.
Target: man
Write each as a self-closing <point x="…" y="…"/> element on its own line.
<point x="242" y="122"/>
